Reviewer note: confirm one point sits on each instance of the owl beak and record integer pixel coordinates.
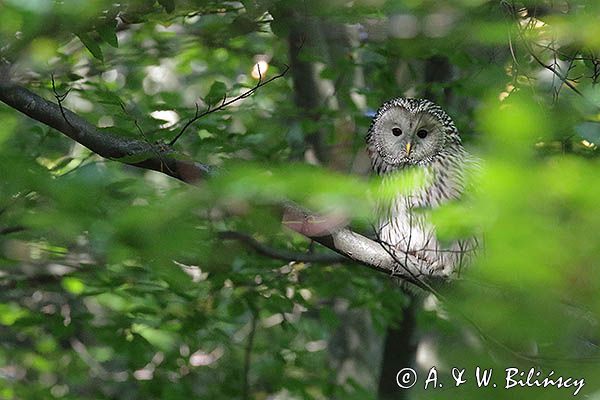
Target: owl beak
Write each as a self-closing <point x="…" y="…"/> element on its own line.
<point x="408" y="146"/>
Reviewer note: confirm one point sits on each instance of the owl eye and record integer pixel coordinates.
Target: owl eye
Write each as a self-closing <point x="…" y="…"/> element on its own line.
<point x="422" y="133"/>
<point x="396" y="131"/>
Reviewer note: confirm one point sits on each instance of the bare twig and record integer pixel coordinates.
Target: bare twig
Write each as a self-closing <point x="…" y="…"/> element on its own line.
<point x="550" y="68"/>
<point x="226" y="103"/>
<point x="59" y="99"/>
<point x="408" y="273"/>
<point x="531" y="51"/>
<point x="154" y="149"/>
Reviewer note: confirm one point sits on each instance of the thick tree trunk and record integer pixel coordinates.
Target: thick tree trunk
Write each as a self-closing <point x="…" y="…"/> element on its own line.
<point x="304" y="37"/>
<point x="398" y="352"/>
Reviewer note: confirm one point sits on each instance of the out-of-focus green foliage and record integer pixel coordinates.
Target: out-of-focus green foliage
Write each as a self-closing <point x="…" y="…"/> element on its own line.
<point x="116" y="282"/>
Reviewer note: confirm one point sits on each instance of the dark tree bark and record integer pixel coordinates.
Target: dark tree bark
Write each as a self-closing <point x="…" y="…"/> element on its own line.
<point x="438" y="70"/>
<point x="307" y="95"/>
<point x="134" y="152"/>
<point x="398" y="352"/>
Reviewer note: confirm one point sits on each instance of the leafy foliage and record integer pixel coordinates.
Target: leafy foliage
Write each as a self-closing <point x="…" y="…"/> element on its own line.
<point x="116" y="283"/>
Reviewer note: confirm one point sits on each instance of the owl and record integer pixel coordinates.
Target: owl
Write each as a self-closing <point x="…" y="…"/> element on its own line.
<point x="408" y="133"/>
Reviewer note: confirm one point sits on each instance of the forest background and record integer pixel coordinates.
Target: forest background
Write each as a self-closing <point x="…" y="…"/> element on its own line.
<point x="150" y="150"/>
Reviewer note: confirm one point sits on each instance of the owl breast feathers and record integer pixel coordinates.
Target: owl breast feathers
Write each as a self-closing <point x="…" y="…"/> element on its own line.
<point x="414" y="133"/>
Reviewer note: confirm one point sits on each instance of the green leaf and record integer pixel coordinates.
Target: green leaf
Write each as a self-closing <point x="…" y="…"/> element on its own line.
<point x="280" y="28"/>
<point x="168" y="5"/>
<point x="243" y="25"/>
<point x="113" y="302"/>
<point x="329" y="317"/>
<point x="73" y="285"/>
<point x="74" y="77"/>
<point x="91" y="45"/>
<point x="161" y="339"/>
<point x="108" y="33"/>
<point x="10" y="313"/>
<point x="108" y="97"/>
<point x="216" y="93"/>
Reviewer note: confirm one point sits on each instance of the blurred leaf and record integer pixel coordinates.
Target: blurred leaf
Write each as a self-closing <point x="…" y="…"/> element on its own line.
<point x="91" y="45"/>
<point x="329" y="317"/>
<point x="157" y="291"/>
<point x="10" y="313"/>
<point x="217" y="92"/>
<point x="108" y="97"/>
<point x="169" y="5"/>
<point x="73" y="285"/>
<point x="161" y="339"/>
<point x="108" y="33"/>
<point x="244" y="25"/>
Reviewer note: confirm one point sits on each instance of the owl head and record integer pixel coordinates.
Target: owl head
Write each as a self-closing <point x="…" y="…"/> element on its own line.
<point x="408" y="131"/>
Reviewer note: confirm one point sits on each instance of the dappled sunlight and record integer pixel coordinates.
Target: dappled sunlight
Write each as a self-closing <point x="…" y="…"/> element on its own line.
<point x="188" y="207"/>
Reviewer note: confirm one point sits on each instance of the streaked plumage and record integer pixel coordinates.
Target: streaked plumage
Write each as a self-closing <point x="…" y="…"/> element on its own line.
<point x="414" y="133"/>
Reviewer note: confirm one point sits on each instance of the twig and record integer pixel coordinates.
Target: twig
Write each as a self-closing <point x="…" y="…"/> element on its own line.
<point x="531" y="52"/>
<point x="154" y="149"/>
<point x="569" y="68"/>
<point x="410" y="275"/>
<point x="106" y="144"/>
<point x="225" y="103"/>
<point x="143" y="135"/>
<point x="12" y="229"/>
<point x="59" y="99"/>
<point x="550" y="68"/>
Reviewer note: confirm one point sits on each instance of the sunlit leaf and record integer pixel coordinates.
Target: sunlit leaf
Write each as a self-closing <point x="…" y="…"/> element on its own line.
<point x="10" y="313"/>
<point x="73" y="285"/>
<point x="161" y="339"/>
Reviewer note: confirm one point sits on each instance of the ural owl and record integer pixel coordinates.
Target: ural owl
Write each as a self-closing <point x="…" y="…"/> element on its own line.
<point x="413" y="133"/>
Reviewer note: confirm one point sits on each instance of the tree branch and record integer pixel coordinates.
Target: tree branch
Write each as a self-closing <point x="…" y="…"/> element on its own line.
<point x="354" y="246"/>
<point x="11" y="229"/>
<point x="134" y="152"/>
<point x="226" y="103"/>
<point x="278" y="254"/>
<point x="162" y="158"/>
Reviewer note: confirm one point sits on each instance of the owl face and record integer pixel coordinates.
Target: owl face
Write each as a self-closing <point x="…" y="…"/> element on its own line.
<point x="409" y="132"/>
